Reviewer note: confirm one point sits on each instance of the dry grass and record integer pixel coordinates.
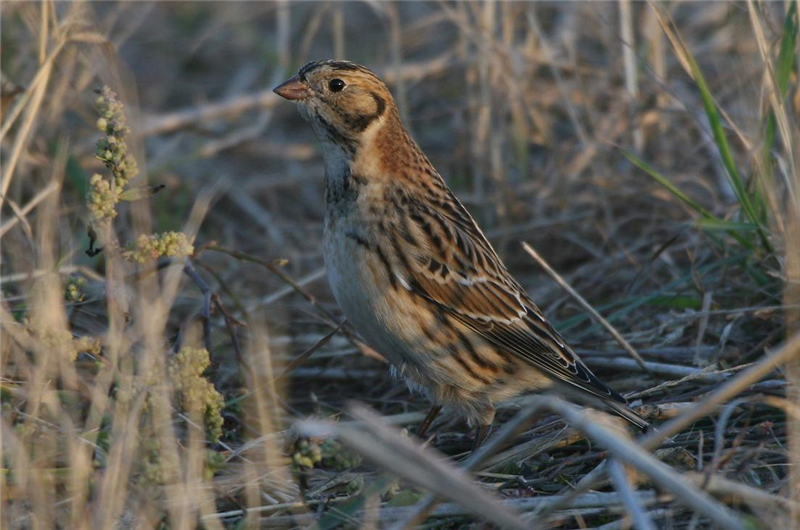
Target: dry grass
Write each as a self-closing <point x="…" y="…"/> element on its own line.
<point x="648" y="152"/>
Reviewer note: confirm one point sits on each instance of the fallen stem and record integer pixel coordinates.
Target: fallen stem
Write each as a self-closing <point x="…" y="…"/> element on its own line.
<point x="582" y="301"/>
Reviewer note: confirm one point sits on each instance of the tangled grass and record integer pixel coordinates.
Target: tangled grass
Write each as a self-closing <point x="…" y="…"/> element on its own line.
<point x="171" y="356"/>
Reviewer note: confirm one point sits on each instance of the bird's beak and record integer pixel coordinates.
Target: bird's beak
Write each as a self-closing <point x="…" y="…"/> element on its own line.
<point x="293" y="89"/>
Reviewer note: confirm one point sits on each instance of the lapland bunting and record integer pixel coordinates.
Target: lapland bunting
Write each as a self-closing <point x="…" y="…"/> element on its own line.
<point x="412" y="271"/>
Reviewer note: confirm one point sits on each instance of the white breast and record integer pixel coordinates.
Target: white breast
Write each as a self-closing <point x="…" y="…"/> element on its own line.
<point x="362" y="288"/>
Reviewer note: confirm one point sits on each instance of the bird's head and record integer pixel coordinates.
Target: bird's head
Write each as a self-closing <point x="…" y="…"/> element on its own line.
<point x="343" y="101"/>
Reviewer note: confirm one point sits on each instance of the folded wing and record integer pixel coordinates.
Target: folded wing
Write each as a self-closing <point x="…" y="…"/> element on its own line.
<point x="451" y="264"/>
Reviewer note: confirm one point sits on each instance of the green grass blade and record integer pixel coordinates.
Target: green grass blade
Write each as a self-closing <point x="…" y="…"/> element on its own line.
<point x="666" y="184"/>
<point x="691" y="203"/>
<point x="720" y="139"/>
<point x="346" y="512"/>
<point x="724" y="149"/>
<point x="725" y="225"/>
<point x="619" y="308"/>
<point x="783" y="72"/>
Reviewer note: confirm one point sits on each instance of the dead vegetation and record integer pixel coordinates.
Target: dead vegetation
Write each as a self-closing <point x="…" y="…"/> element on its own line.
<point x="646" y="153"/>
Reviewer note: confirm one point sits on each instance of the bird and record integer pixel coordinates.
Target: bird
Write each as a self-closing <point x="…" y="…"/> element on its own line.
<point x="411" y="269"/>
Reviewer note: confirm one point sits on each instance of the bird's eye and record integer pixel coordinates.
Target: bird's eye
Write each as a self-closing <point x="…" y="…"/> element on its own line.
<point x="336" y="85"/>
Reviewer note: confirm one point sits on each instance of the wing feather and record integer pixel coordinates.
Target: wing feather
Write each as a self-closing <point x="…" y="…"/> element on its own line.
<point x="455" y="268"/>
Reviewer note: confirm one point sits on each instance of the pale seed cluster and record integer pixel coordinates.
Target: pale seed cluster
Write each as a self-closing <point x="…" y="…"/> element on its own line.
<point x="112" y="148"/>
<point x="197" y="394"/>
<point x="154" y="469"/>
<point x="61" y="340"/>
<point x="113" y="151"/>
<point x="307" y="455"/>
<point x="73" y="292"/>
<point x="150" y="247"/>
<point x="331" y="454"/>
<point x="102" y="199"/>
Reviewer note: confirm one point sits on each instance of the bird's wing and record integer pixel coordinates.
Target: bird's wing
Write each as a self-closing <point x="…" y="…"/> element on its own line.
<point x="449" y="262"/>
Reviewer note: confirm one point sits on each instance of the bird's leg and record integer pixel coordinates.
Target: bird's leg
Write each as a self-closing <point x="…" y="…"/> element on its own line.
<point x="481" y="433"/>
<point x="426" y="423"/>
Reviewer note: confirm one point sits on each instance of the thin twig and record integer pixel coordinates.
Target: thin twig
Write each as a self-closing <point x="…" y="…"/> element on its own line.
<point x="509" y="430"/>
<point x="533" y="22"/>
<point x="230" y="322"/>
<point x="582" y="301"/>
<point x="387" y="448"/>
<point x="28" y="125"/>
<point x="790" y="350"/>
<point x="588" y="501"/>
<point x="306" y="355"/>
<point x="653" y="368"/>
<point x="719" y="436"/>
<point x="629" y="58"/>
<point x="206" y="291"/>
<point x="701" y="332"/>
<point x="265" y="99"/>
<point x="275" y="268"/>
<point x="755" y="497"/>
<point x="622" y="483"/>
<point x="19" y="214"/>
<point x="637" y="457"/>
<point x="209" y="297"/>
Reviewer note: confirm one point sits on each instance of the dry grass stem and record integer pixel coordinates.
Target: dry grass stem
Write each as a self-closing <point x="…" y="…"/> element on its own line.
<point x="421" y="466"/>
<point x="582" y="301"/>
<point x="622" y="484"/>
<point x="634" y="455"/>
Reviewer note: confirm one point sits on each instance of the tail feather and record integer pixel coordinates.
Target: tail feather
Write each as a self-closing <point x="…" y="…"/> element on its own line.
<point x="625" y="412"/>
<point x="615" y="403"/>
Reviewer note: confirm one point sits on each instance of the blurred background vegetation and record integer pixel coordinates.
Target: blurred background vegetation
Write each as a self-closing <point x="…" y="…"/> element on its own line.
<point x="647" y="151"/>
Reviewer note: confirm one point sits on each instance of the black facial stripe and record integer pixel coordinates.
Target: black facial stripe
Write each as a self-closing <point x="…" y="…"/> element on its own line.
<point x="356" y="122"/>
<point x="359" y="123"/>
<point x="380" y="104"/>
<point x="343" y="189"/>
<point x="330" y="129"/>
<point x="346" y="143"/>
<point x="351" y="122"/>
